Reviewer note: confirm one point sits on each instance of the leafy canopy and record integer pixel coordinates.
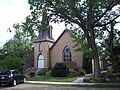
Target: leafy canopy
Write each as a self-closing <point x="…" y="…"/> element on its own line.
<point x="89" y="15"/>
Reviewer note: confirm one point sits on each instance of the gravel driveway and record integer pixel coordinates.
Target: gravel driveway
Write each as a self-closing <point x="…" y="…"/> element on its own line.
<point x="47" y="87"/>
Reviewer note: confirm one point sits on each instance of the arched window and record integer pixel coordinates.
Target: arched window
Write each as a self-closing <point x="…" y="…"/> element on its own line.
<point x="40" y="47"/>
<point x="40" y="61"/>
<point x="67" y="54"/>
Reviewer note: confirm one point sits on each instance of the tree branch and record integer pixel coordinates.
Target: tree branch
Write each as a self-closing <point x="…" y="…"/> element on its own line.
<point x="108" y="8"/>
<point x="101" y="25"/>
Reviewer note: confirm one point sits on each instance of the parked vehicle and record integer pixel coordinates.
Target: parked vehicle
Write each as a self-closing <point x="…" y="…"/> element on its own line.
<point x="11" y="77"/>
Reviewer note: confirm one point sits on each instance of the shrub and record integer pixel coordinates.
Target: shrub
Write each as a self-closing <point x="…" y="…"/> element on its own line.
<point x="32" y="74"/>
<point x="82" y="73"/>
<point x="97" y="80"/>
<point x="73" y="74"/>
<point x="86" y="79"/>
<point x="59" y="70"/>
<point x="48" y="73"/>
<point x="117" y="80"/>
<point x="42" y="72"/>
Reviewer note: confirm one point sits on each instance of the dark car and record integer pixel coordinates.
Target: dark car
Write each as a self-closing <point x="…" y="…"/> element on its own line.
<point x="11" y="77"/>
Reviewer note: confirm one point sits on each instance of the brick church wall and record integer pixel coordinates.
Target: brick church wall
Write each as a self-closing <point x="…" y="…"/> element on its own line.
<point x="56" y="51"/>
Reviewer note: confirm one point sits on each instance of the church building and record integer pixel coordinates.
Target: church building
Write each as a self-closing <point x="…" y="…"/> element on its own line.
<point x="48" y="52"/>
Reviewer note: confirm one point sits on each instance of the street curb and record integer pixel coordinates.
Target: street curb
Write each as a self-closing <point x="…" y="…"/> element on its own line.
<point x="72" y="83"/>
<point x="58" y="83"/>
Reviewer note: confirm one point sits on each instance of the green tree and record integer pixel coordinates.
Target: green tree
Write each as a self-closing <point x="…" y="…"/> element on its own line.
<point x="112" y="37"/>
<point x="11" y="62"/>
<point x="107" y="43"/>
<point x="89" y="15"/>
<point x="82" y="45"/>
<point x="18" y="51"/>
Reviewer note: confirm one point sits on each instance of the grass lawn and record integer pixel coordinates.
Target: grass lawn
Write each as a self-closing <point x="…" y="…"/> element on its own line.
<point x="52" y="79"/>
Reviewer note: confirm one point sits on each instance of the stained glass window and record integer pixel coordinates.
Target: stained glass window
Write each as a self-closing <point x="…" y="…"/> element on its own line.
<point x="67" y="54"/>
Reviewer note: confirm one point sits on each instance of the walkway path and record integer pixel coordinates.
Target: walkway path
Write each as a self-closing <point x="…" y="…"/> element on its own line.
<point x="79" y="80"/>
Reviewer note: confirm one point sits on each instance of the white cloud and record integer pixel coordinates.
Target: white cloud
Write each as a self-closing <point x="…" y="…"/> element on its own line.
<point x="15" y="11"/>
<point x="12" y="11"/>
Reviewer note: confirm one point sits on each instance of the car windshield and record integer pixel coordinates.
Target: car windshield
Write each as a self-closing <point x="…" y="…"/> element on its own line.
<point x="4" y="72"/>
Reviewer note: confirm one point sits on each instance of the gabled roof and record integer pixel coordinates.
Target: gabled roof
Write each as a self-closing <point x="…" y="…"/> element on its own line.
<point x="66" y="30"/>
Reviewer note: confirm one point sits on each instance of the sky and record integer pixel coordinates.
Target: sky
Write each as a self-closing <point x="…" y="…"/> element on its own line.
<point x="15" y="11"/>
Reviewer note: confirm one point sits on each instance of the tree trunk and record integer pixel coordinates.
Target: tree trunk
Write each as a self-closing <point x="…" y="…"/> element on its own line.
<point x="90" y="29"/>
<point x="97" y="71"/>
<point x="111" y="37"/>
